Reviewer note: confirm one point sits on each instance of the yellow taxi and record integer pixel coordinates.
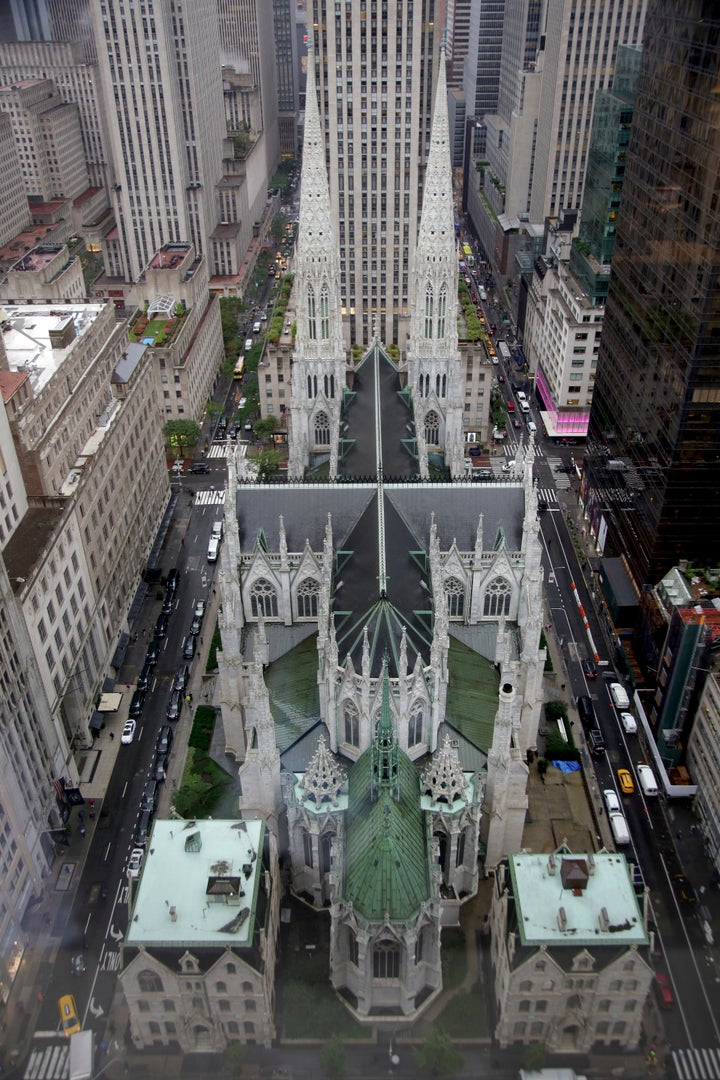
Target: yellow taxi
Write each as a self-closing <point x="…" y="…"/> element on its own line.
<point x="68" y="1015"/>
<point x="625" y="781"/>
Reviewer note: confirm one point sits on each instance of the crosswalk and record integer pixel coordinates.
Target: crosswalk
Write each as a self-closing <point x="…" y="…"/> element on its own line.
<point x="697" y="1064"/>
<point x="49" y="1057"/>
<point x="220" y="450"/>
<point x="563" y="481"/>
<point x="209" y="498"/>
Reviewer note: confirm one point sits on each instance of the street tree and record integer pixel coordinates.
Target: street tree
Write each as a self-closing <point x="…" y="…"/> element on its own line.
<point x="181" y="436"/>
<point x="332" y="1059"/>
<point x="265" y="429"/>
<point x="268" y="463"/>
<point x="235" y="1058"/>
<point x="437" y="1055"/>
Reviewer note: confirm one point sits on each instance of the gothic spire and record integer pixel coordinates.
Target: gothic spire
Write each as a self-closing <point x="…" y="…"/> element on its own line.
<point x="435" y="254"/>
<point x="317" y="256"/>
<point x="385" y="749"/>
<point x="324" y="777"/>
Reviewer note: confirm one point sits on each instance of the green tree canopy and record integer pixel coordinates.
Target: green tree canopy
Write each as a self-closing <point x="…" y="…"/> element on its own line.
<point x="332" y="1059"/>
<point x="263" y="429"/>
<point x="437" y="1055"/>
<point x="181" y="435"/>
<point x="268" y="462"/>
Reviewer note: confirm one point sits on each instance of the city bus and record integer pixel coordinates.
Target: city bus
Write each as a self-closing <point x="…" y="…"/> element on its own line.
<point x="504" y="351"/>
<point x="469" y="257"/>
<point x="239" y="368"/>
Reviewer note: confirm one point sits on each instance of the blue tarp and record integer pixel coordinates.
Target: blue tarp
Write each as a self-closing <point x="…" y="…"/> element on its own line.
<point x="566" y="766"/>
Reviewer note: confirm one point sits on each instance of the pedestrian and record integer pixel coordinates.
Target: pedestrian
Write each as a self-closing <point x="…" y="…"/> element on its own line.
<point x="81" y="816"/>
<point x="82" y="830"/>
<point x="189" y="697"/>
<point x="112" y="735"/>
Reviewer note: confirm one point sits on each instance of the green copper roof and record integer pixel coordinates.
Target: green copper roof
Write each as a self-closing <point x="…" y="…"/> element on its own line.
<point x="294" y="699"/>
<point x="386" y="859"/>
<point x="472" y="697"/>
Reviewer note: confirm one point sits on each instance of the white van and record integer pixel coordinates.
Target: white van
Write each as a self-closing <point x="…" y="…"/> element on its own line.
<point x="647" y="780"/>
<point x="248" y="344"/>
<point x="620" y="698"/>
<point x="620" y="831"/>
<point x="611" y="801"/>
<point x="524" y="407"/>
<point x="532" y="427"/>
<point x="213" y="548"/>
<point x="629" y="723"/>
<point x="217" y="530"/>
<point x="483" y="295"/>
<point x="257" y="327"/>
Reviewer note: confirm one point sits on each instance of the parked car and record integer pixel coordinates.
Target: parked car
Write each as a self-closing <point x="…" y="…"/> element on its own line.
<point x="189" y="647"/>
<point x="128" y="732"/>
<point x="596" y="741"/>
<point x="164" y="739"/>
<point x="182" y="677"/>
<point x="589" y="668"/>
<point x="663" y="991"/>
<point x="143" y="679"/>
<point x="135" y="862"/>
<point x="173" y="579"/>
<point x="160" y="767"/>
<point x="149" y="796"/>
<point x="199" y="468"/>
<point x="625" y="780"/>
<point x="196" y="625"/>
<point x="611" y="801"/>
<point x="161" y="627"/>
<point x="142" y="829"/>
<point x="199" y="609"/>
<point x="619" y="696"/>
<point x="174" y="705"/>
<point x="629" y="723"/>
<point x="137" y="703"/>
<point x="153" y="651"/>
<point x="168" y="603"/>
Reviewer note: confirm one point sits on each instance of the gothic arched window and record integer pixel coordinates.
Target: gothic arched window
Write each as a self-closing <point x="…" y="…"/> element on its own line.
<point x="442" y="311"/>
<point x="149" y="982"/>
<point x="441" y="385"/>
<point x="307" y="599"/>
<point x="312" y="386"/>
<point x="312" y="318"/>
<point x="455" y="598"/>
<point x="386" y="960"/>
<point x="351" y="720"/>
<point x="497" y="597"/>
<point x="330" y="387"/>
<point x="322" y="429"/>
<point x="263" y="599"/>
<point x="428" y="311"/>
<point x="415" y="725"/>
<point x="432" y="428"/>
<point x="324" y="314"/>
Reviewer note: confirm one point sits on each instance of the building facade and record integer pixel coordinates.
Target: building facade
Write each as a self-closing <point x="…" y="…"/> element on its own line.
<point x="166" y="126"/>
<point x="198" y="959"/>
<point x="376" y="68"/>
<point x="703" y="760"/>
<point x="656" y="400"/>
<point x="570" y="952"/>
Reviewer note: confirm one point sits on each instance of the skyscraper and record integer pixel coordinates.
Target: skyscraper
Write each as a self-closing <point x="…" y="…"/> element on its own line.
<point x="376" y="65"/>
<point x="162" y="83"/>
<point x="555" y="56"/>
<point x="651" y="485"/>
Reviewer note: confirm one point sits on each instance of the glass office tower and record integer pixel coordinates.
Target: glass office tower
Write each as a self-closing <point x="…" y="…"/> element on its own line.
<point x="652" y="482"/>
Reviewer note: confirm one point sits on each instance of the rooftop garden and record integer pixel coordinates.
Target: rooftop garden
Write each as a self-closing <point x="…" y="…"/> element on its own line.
<point x="160" y="330"/>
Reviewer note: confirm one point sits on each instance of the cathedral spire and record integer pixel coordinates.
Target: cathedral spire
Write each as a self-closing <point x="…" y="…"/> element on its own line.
<point x="384" y="749"/>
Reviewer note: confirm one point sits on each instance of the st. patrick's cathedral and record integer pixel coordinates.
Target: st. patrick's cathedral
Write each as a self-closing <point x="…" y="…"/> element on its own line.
<point x="381" y="670"/>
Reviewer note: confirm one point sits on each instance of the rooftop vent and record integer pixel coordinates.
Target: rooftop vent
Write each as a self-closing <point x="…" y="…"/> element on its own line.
<point x="562" y="918"/>
<point x="552" y="866"/>
<point x="604" y="919"/>
<point x="173" y="914"/>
